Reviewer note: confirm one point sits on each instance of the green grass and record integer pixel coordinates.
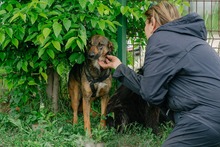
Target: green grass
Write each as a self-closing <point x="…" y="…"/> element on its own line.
<point x="57" y="131"/>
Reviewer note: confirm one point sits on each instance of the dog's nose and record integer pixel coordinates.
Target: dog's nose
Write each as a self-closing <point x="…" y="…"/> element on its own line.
<point x="91" y="55"/>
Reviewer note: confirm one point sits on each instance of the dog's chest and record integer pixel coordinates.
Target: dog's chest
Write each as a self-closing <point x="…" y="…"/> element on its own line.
<point x="101" y="89"/>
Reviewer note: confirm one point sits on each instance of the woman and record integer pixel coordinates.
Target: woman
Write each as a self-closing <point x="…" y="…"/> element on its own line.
<point x="182" y="72"/>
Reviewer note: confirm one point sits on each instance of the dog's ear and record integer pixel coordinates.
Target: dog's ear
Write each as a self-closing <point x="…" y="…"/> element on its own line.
<point x="110" y="46"/>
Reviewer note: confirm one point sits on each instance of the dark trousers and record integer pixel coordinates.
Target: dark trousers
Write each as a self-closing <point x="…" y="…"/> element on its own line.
<point x="189" y="132"/>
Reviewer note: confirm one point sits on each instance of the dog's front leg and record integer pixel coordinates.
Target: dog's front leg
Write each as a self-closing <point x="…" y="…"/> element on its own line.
<point x="75" y="98"/>
<point x="104" y="102"/>
<point x="86" y="115"/>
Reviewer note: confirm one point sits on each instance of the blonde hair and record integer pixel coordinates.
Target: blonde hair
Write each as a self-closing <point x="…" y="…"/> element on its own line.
<point x="163" y="13"/>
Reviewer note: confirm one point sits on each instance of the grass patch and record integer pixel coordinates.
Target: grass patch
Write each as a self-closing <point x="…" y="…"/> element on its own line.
<point x="59" y="132"/>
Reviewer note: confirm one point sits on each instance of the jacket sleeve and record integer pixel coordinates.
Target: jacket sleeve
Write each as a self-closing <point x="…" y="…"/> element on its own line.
<point x="158" y="70"/>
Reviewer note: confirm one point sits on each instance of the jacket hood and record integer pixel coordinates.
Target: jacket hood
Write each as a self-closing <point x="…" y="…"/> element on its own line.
<point x="191" y="24"/>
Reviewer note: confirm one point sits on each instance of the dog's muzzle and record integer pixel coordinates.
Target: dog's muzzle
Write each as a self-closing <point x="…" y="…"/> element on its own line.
<point x="93" y="56"/>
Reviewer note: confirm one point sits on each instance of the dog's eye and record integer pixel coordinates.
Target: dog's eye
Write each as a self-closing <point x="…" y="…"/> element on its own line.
<point x="100" y="46"/>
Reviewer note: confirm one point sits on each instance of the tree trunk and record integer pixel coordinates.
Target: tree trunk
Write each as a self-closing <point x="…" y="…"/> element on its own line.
<point x="55" y="95"/>
<point x="53" y="88"/>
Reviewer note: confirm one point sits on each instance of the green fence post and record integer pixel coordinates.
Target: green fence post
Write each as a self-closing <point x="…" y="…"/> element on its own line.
<point x="121" y="36"/>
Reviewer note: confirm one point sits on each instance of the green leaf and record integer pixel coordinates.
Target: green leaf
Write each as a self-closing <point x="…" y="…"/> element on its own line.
<point x="2" y="56"/>
<point x="2" y="12"/>
<point x="16" y="122"/>
<point x="41" y="52"/>
<point x="32" y="82"/>
<point x="124" y="9"/>
<point x="5" y="43"/>
<point x="73" y="57"/>
<point x="67" y="24"/>
<point x="92" y="1"/>
<point x="101" y="24"/>
<point x="77" y="58"/>
<point x="31" y="64"/>
<point x="9" y="31"/>
<point x="60" y="69"/>
<point x="83" y="3"/>
<point x="93" y="22"/>
<point x="44" y="75"/>
<point x="50" y="52"/>
<point x="23" y="17"/>
<point x="14" y="17"/>
<point x="79" y="43"/>
<point x="56" y="44"/>
<point x="50" y="2"/>
<point x="83" y="35"/>
<point x="2" y="37"/>
<point x="15" y="42"/>
<point x="46" y="32"/>
<point x="21" y="81"/>
<point x="19" y="65"/>
<point x="43" y="15"/>
<point x="34" y="17"/>
<point x="69" y="42"/>
<point x="101" y="9"/>
<point x="80" y="59"/>
<point x="30" y="37"/>
<point x="57" y="28"/>
<point x="24" y="66"/>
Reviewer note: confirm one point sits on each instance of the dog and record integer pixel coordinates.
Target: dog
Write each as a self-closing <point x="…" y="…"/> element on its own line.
<point x="88" y="80"/>
<point x="128" y="108"/>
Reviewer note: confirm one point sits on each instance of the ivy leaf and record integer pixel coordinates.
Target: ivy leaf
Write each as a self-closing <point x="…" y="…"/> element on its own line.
<point x="23" y="17"/>
<point x="34" y="17"/>
<point x="2" y="56"/>
<point x="83" y="35"/>
<point x="56" y="44"/>
<point x="50" y="2"/>
<point x="24" y="66"/>
<point x="67" y="24"/>
<point x="101" y="24"/>
<point x="92" y="1"/>
<point x="77" y="58"/>
<point x="9" y="31"/>
<point x="43" y="15"/>
<point x="57" y="28"/>
<point x="50" y="52"/>
<point x="41" y="52"/>
<point x="80" y="59"/>
<point x="14" y="17"/>
<point x="69" y="42"/>
<point x="19" y="65"/>
<point x="2" y="37"/>
<point x="93" y="22"/>
<point x="2" y="12"/>
<point x="46" y="32"/>
<point x="5" y="43"/>
<point x="15" y="42"/>
<point x="80" y="45"/>
<point x="60" y="69"/>
<point x="124" y="9"/>
<point x="83" y="3"/>
<point x="44" y="75"/>
<point x="32" y="82"/>
<point x="30" y="37"/>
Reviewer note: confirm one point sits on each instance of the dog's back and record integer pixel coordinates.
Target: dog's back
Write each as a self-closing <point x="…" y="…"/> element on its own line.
<point x="128" y="107"/>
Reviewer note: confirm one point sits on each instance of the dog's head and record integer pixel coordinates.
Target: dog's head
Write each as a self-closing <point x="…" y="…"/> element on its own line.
<point x="98" y="47"/>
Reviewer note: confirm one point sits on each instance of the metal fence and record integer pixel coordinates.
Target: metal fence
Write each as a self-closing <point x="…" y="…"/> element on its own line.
<point x="209" y="10"/>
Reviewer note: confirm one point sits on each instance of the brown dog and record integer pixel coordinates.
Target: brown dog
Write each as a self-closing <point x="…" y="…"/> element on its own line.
<point x="88" y="81"/>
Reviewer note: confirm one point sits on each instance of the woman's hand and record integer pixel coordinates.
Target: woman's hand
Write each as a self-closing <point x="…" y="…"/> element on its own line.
<point x="110" y="62"/>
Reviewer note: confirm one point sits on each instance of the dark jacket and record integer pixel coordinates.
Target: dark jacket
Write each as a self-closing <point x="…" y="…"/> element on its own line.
<point x="180" y="69"/>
